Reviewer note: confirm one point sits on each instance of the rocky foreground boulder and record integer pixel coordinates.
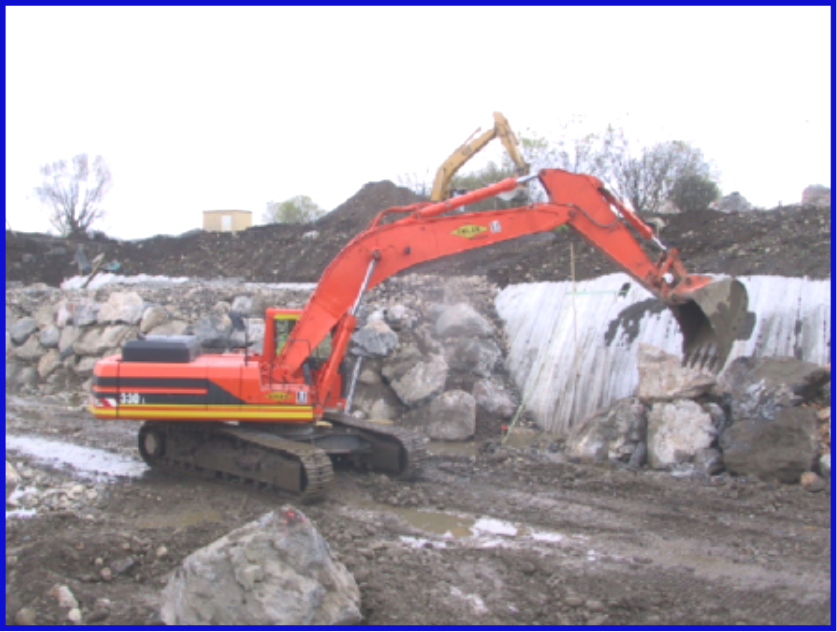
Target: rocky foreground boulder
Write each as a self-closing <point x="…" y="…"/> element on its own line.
<point x="275" y="571"/>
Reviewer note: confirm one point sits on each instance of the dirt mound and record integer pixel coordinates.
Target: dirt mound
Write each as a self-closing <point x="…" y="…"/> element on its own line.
<point x="791" y="241"/>
<point x="355" y="214"/>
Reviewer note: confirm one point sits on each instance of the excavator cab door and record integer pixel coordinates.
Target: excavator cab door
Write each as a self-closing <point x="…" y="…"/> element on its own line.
<point x="283" y="325"/>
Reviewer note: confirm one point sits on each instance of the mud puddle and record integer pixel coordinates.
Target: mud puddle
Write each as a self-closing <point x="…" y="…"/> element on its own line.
<point x="448" y="527"/>
<point x="90" y="463"/>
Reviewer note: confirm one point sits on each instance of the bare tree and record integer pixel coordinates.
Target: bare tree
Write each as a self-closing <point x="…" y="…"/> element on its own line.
<point x="420" y="185"/>
<point x="576" y="151"/>
<point x="73" y="191"/>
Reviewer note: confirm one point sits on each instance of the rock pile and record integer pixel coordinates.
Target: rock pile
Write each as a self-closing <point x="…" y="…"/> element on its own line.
<point x="429" y="348"/>
<point x="432" y="358"/>
<point x="766" y="418"/>
<point x="54" y="337"/>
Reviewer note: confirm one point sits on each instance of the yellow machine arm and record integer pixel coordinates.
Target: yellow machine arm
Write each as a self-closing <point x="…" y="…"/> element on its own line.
<point x="501" y="130"/>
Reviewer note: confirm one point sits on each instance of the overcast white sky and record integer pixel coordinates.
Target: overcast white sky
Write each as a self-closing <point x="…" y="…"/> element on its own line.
<point x="205" y="108"/>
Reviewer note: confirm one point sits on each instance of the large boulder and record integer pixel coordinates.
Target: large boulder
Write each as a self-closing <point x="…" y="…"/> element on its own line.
<point x="475" y="356"/>
<point x="153" y="316"/>
<point x="45" y="315"/>
<point x="69" y="336"/>
<point x="96" y="342"/>
<point x="493" y="398"/>
<point x="400" y="317"/>
<point x="462" y="320"/>
<point x="450" y="417"/>
<point x="662" y="376"/>
<point x="375" y="339"/>
<point x="781" y="448"/>
<point x="254" y="339"/>
<point x="30" y="351"/>
<point x="22" y="329"/>
<point x="275" y="571"/>
<point x="85" y="314"/>
<point x="381" y="409"/>
<point x="49" y="336"/>
<point x="377" y="402"/>
<point x="122" y="307"/>
<point x="170" y="328"/>
<point x="252" y="306"/>
<point x="84" y="367"/>
<point x="415" y="378"/>
<point x="213" y="331"/>
<point x="610" y="434"/>
<point x="677" y="432"/>
<point x="49" y="362"/>
<point x="760" y="387"/>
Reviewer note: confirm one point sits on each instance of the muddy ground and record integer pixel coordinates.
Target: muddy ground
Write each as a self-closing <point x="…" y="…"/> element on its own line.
<point x="485" y="536"/>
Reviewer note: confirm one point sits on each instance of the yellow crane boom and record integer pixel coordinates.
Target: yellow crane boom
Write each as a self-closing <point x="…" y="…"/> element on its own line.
<point x="501" y="130"/>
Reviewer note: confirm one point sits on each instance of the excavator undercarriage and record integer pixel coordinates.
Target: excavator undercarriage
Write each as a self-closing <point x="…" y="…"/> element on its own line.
<point x="291" y="459"/>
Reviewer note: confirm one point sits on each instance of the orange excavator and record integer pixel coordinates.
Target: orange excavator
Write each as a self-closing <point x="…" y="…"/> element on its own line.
<point x="279" y="417"/>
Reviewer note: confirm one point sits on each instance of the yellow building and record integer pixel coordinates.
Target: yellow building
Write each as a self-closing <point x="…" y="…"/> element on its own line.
<point x="227" y="221"/>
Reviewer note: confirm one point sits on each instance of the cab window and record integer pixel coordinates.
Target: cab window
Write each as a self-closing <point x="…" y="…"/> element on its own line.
<point x="282" y="330"/>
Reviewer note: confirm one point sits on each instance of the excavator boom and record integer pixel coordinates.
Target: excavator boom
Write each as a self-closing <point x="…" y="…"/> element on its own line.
<point x="710" y="313"/>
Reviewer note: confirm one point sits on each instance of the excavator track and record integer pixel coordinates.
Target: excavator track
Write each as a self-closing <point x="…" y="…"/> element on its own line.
<point x="411" y="450"/>
<point x="232" y="453"/>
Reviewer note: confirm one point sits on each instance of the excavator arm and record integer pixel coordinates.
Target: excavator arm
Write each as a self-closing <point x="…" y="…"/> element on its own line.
<point x="501" y="130"/>
<point x="710" y="312"/>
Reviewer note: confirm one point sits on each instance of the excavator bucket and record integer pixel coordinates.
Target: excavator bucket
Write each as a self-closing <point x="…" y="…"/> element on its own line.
<point x="710" y="321"/>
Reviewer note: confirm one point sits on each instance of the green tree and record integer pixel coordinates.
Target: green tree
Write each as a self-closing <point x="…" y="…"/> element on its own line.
<point x="299" y="209"/>
<point x="643" y="176"/>
<point x="73" y="191"/>
<point x="694" y="192"/>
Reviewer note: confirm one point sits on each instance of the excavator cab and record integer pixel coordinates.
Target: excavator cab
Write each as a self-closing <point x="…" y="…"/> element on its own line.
<point x="283" y="323"/>
<point x="279" y="325"/>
